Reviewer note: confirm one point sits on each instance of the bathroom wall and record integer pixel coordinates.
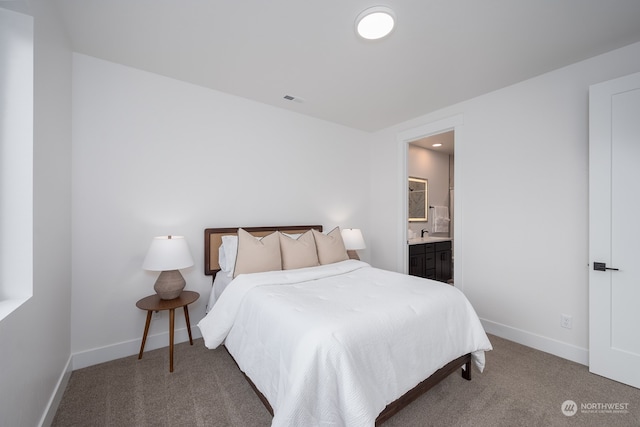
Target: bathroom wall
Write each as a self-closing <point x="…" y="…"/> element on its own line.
<point x="435" y="168"/>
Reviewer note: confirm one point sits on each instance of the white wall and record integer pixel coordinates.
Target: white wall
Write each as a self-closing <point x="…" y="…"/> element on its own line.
<point x="153" y="156"/>
<point x="16" y="159"/>
<point x="35" y="339"/>
<point x="521" y="202"/>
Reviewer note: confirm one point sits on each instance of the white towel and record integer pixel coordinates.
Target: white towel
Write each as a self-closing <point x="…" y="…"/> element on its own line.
<point x="441" y="219"/>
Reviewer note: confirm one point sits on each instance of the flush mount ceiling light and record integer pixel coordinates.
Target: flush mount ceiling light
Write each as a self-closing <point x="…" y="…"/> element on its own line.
<point x="375" y="22"/>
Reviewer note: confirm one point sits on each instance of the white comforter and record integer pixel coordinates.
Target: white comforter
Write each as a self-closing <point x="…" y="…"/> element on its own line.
<point x="333" y="345"/>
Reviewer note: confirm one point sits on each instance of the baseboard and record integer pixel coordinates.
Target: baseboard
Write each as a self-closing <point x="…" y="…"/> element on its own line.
<point x="56" y="396"/>
<point x="128" y="348"/>
<point x="548" y="345"/>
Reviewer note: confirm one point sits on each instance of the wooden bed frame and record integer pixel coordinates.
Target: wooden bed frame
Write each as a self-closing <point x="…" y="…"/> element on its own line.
<point x="213" y="240"/>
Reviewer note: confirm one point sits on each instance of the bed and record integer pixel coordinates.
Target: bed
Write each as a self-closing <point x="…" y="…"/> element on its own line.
<point x="341" y="343"/>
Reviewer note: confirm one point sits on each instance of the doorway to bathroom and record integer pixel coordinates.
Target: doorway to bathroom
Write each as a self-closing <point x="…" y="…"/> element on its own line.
<point x="430" y="162"/>
<point x="432" y="159"/>
<point x="437" y="166"/>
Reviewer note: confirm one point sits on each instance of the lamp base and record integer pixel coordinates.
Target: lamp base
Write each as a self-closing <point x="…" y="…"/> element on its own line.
<point x="353" y="254"/>
<point x="169" y="284"/>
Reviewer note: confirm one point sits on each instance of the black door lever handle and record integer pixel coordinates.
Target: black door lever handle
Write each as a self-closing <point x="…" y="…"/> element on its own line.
<point x="602" y="266"/>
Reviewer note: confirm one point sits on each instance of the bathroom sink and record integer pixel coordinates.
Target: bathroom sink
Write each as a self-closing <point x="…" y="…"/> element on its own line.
<point x="428" y="239"/>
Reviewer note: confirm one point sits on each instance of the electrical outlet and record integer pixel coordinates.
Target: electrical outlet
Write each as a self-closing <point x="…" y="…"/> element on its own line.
<point x="156" y="314"/>
<point x="566" y="321"/>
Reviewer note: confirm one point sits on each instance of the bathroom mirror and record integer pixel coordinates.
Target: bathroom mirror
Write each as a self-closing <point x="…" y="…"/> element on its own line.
<point x="418" y="200"/>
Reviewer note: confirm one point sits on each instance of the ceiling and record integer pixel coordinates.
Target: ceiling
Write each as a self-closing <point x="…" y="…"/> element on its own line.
<point x="441" y="52"/>
<point x="445" y="139"/>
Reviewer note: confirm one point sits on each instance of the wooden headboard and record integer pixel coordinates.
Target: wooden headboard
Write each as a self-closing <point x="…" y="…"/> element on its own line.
<point x="213" y="240"/>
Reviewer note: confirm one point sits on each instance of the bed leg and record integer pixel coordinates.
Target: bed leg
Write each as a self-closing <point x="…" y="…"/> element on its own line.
<point x="466" y="372"/>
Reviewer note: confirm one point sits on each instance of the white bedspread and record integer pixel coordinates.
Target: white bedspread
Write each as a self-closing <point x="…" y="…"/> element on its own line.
<point x="333" y="345"/>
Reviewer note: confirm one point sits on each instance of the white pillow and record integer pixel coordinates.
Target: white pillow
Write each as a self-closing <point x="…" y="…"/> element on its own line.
<point x="230" y="246"/>
<point x="222" y="259"/>
<point x="293" y="236"/>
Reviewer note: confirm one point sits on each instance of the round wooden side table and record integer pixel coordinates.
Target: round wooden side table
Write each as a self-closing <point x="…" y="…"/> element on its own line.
<point x="154" y="303"/>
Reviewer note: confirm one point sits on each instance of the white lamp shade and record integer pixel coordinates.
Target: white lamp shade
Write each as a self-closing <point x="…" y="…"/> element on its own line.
<point x="353" y="239"/>
<point x="168" y="253"/>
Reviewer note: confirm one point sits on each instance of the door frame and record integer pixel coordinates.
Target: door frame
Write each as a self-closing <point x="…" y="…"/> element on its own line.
<point x="454" y="123"/>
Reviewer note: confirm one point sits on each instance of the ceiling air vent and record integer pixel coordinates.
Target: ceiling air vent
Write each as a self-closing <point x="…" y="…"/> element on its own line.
<point x="294" y="99"/>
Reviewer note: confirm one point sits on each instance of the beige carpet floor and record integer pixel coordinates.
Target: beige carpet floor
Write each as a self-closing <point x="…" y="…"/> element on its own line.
<point x="519" y="387"/>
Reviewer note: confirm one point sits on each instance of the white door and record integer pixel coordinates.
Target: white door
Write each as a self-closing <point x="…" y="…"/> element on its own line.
<point x="614" y="229"/>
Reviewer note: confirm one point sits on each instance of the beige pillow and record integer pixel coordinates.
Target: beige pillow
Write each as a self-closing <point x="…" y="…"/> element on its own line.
<point x="257" y="255"/>
<point x="330" y="246"/>
<point x="298" y="253"/>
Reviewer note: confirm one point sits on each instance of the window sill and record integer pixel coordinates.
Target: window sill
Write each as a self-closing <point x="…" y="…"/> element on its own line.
<point x="8" y="306"/>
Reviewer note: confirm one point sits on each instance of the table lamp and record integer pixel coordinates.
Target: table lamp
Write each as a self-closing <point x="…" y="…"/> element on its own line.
<point x="353" y="241"/>
<point x="168" y="254"/>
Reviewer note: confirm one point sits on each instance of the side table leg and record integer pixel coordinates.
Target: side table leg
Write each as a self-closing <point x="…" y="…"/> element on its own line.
<point x="146" y="330"/>
<point x="172" y="315"/>
<point x="186" y="318"/>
